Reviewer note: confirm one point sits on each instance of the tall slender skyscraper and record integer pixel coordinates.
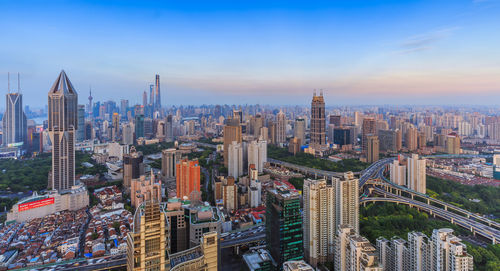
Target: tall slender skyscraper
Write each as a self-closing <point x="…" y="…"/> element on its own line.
<point x="80" y="132"/>
<point x="318" y="122"/>
<point x="63" y="104"/>
<point x="157" y="92"/>
<point x="319" y="221"/>
<point x="14" y="120"/>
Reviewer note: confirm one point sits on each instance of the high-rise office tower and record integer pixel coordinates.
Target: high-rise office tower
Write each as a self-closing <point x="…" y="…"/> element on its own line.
<point x="128" y="134"/>
<point x="133" y="166"/>
<point x="284" y="225"/>
<point x="169" y="132"/>
<point x="354" y="252"/>
<point x="372" y="153"/>
<point x="139" y="126"/>
<point x="369" y="128"/>
<point x="115" y="134"/>
<point x="188" y="178"/>
<point x="299" y="130"/>
<point x="169" y="159"/>
<point x="453" y="143"/>
<point x="148" y="242"/>
<point x="416" y="174"/>
<point x="235" y="159"/>
<point x="80" y="132"/>
<point x="232" y="132"/>
<point x="319" y="221"/>
<point x="343" y="136"/>
<point x="151" y="95"/>
<point x="123" y="107"/>
<point x="258" y="124"/>
<point x="398" y="173"/>
<point x="388" y="140"/>
<point x="257" y="154"/>
<point x="335" y="120"/>
<point x="238" y="114"/>
<point x="145" y="99"/>
<point x="318" y="122"/>
<point x="157" y="92"/>
<point x="63" y="102"/>
<point x="411" y="139"/>
<point x="347" y="201"/>
<point x="14" y="120"/>
<point x="280" y="128"/>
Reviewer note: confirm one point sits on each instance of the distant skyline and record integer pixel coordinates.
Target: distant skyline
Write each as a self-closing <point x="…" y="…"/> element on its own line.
<point x="221" y="52"/>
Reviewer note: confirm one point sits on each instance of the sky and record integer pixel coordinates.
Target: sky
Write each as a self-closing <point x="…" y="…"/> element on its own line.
<point x="246" y="52"/>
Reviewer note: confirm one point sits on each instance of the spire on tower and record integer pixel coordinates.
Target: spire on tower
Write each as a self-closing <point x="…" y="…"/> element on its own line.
<point x="18" y="84"/>
<point x="8" y="82"/>
<point x="314" y="92"/>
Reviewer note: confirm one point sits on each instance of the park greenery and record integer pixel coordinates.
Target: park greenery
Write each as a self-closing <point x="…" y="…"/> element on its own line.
<point x="309" y="160"/>
<point x="32" y="174"/>
<point x="154" y="148"/>
<point x="390" y="219"/>
<point x="462" y="195"/>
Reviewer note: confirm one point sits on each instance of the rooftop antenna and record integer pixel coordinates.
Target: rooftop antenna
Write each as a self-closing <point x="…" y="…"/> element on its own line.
<point x="321" y="92"/>
<point x="18" y="84"/>
<point x="8" y="82"/>
<point x="314" y="92"/>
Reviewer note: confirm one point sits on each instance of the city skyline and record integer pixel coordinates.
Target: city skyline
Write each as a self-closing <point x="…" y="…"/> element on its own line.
<point x="222" y="53"/>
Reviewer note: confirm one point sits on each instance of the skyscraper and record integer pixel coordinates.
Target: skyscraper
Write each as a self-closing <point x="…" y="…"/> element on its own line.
<point x="299" y="130"/>
<point x="369" y="128"/>
<point x="319" y="221"/>
<point x="63" y="102"/>
<point x="139" y="126"/>
<point x="347" y="201"/>
<point x="235" y="159"/>
<point x="280" y="128"/>
<point x="14" y="120"/>
<point x="416" y="174"/>
<point x="115" y="133"/>
<point x="188" y="178"/>
<point x="157" y="92"/>
<point x="318" y="122"/>
<point x="148" y="241"/>
<point x="80" y="133"/>
<point x="169" y="132"/>
<point x="284" y="225"/>
<point x="354" y="252"/>
<point x="169" y="160"/>
<point x="257" y="154"/>
<point x="133" y="167"/>
<point x="232" y="132"/>
<point x="372" y="154"/>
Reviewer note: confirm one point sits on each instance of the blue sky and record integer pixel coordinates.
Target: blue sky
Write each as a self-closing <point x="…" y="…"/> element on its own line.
<point x="359" y="52"/>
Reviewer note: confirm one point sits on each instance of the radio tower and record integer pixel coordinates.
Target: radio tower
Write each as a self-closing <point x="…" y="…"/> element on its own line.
<point x="90" y="103"/>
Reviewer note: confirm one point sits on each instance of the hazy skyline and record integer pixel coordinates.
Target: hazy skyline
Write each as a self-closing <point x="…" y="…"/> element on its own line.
<point x="359" y="52"/>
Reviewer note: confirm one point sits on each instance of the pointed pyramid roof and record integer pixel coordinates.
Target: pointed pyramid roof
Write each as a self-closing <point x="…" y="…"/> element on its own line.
<point x="62" y="85"/>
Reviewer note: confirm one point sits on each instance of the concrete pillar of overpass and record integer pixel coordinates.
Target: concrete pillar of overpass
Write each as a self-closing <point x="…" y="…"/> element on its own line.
<point x="446" y="208"/>
<point x="315" y="176"/>
<point x="428" y="202"/>
<point x="468" y="215"/>
<point x="237" y="250"/>
<point x="452" y="221"/>
<point x="411" y="196"/>
<point x="493" y="241"/>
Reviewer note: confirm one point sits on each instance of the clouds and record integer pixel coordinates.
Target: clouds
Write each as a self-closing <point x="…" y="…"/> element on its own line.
<point x="424" y="42"/>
